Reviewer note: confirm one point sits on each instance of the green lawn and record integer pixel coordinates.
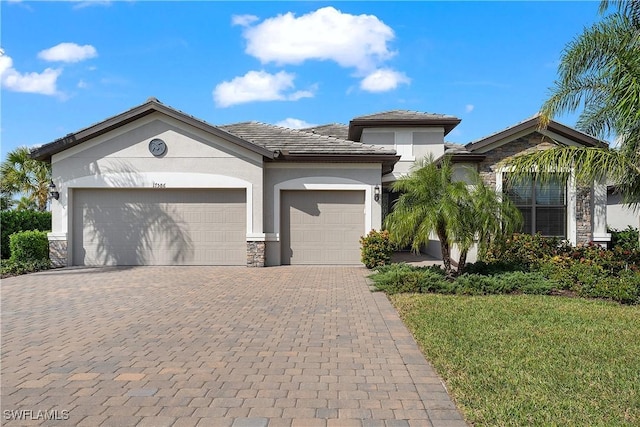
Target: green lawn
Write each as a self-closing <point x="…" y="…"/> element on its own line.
<point x="532" y="360"/>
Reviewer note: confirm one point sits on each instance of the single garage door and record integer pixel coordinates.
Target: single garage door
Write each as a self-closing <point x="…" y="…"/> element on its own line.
<point x="321" y="227"/>
<point x="159" y="227"/>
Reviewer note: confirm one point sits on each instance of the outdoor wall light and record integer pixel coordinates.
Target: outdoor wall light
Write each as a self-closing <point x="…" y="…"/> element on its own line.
<point x="376" y="193"/>
<point x="53" y="191"/>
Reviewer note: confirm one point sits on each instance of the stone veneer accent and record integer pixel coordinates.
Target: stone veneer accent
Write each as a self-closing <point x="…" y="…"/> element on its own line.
<point x="527" y="144"/>
<point x="522" y="145"/>
<point x="255" y="254"/>
<point x="584" y="210"/>
<point x="58" y="253"/>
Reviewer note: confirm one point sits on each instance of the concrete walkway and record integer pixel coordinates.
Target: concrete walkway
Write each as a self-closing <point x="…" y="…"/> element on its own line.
<point x="211" y="346"/>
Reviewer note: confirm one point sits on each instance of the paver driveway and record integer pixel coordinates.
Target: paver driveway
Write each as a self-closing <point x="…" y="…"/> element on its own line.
<point x="211" y="346"/>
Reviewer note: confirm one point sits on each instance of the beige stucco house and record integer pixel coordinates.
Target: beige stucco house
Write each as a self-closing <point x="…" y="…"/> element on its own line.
<point x="156" y="186"/>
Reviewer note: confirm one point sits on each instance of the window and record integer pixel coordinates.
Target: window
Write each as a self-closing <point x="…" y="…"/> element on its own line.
<point x="543" y="205"/>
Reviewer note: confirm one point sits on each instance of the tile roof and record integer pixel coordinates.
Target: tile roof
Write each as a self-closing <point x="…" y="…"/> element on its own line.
<point x="400" y="118"/>
<point x="453" y="148"/>
<point x="299" y="141"/>
<point x="337" y="130"/>
<point x="403" y="115"/>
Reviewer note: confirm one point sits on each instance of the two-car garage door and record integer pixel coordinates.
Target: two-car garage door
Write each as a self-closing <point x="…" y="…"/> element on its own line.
<point x="321" y="227"/>
<point x="159" y="227"/>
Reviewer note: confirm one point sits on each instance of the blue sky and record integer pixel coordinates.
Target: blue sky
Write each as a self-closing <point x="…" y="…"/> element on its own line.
<point x="67" y="65"/>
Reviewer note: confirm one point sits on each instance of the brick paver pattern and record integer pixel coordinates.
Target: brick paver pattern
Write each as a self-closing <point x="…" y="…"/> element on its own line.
<point x="211" y="346"/>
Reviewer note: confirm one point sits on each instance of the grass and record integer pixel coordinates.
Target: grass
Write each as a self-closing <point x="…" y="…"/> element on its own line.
<point x="532" y="360"/>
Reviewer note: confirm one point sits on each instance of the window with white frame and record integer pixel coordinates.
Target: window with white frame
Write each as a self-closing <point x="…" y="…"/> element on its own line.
<point x="543" y="204"/>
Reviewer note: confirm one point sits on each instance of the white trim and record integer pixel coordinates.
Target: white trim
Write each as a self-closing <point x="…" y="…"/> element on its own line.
<point x="572" y="208"/>
<point x="559" y="138"/>
<point x="323" y="183"/>
<point x="504" y="141"/>
<point x="56" y="236"/>
<point x="262" y="237"/>
<point x="601" y="237"/>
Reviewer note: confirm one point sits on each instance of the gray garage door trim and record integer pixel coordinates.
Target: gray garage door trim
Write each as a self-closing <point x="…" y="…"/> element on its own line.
<point x="159" y="227"/>
<point x="321" y="226"/>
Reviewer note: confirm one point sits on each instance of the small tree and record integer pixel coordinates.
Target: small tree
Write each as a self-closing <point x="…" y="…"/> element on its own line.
<point x="431" y="202"/>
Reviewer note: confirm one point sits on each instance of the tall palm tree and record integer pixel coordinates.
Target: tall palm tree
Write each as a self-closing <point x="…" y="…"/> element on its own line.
<point x="600" y="72"/>
<point x="431" y="202"/>
<point x="20" y="174"/>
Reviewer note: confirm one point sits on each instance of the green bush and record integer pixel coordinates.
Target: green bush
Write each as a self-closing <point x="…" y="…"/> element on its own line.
<point x="525" y="282"/>
<point x="476" y="284"/>
<point x="15" y="268"/>
<point x="15" y="221"/>
<point x="490" y="268"/>
<point x="27" y="246"/>
<point x="589" y="279"/>
<point x="401" y="278"/>
<point x="376" y="249"/>
<point x="626" y="239"/>
<point x="524" y="251"/>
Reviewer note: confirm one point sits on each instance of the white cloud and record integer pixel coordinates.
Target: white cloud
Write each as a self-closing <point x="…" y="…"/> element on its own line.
<point x="292" y="123"/>
<point x="42" y="83"/>
<point x="352" y="41"/>
<point x="82" y="84"/>
<point x="258" y="86"/>
<point x="383" y="80"/>
<point x="68" y="52"/>
<point x="469" y="108"/>
<point x="243" y="20"/>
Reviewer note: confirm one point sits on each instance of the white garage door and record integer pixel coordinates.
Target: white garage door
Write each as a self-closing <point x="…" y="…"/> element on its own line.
<point x="159" y="227"/>
<point x="321" y="227"/>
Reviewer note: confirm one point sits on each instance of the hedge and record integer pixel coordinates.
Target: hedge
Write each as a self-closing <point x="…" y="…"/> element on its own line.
<point x="29" y="246"/>
<point x="23" y="220"/>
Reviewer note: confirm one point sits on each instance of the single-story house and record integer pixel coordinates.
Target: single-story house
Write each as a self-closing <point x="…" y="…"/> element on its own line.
<point x="156" y="186"/>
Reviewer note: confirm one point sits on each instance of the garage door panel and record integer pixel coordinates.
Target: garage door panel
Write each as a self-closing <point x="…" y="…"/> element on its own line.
<point x="158" y="227"/>
<point x="321" y="227"/>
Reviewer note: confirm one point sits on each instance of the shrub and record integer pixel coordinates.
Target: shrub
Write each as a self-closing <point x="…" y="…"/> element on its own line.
<point x="524" y="251"/>
<point x="400" y="278"/>
<point x="490" y="268"/>
<point x="527" y="283"/>
<point x="626" y="239"/>
<point x="476" y="284"/>
<point x="15" y="221"/>
<point x="14" y="268"/>
<point x="27" y="246"/>
<point x="376" y="249"/>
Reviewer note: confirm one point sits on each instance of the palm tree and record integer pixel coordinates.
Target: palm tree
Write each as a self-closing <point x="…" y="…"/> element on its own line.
<point x="432" y="202"/>
<point x="599" y="71"/>
<point x="489" y="216"/>
<point x="20" y="174"/>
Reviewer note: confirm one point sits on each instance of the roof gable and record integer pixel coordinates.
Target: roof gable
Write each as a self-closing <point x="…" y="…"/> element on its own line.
<point x="152" y="105"/>
<point x="533" y="125"/>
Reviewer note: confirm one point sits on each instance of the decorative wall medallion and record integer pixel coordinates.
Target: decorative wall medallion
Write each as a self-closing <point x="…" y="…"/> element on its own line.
<point x="157" y="147"/>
